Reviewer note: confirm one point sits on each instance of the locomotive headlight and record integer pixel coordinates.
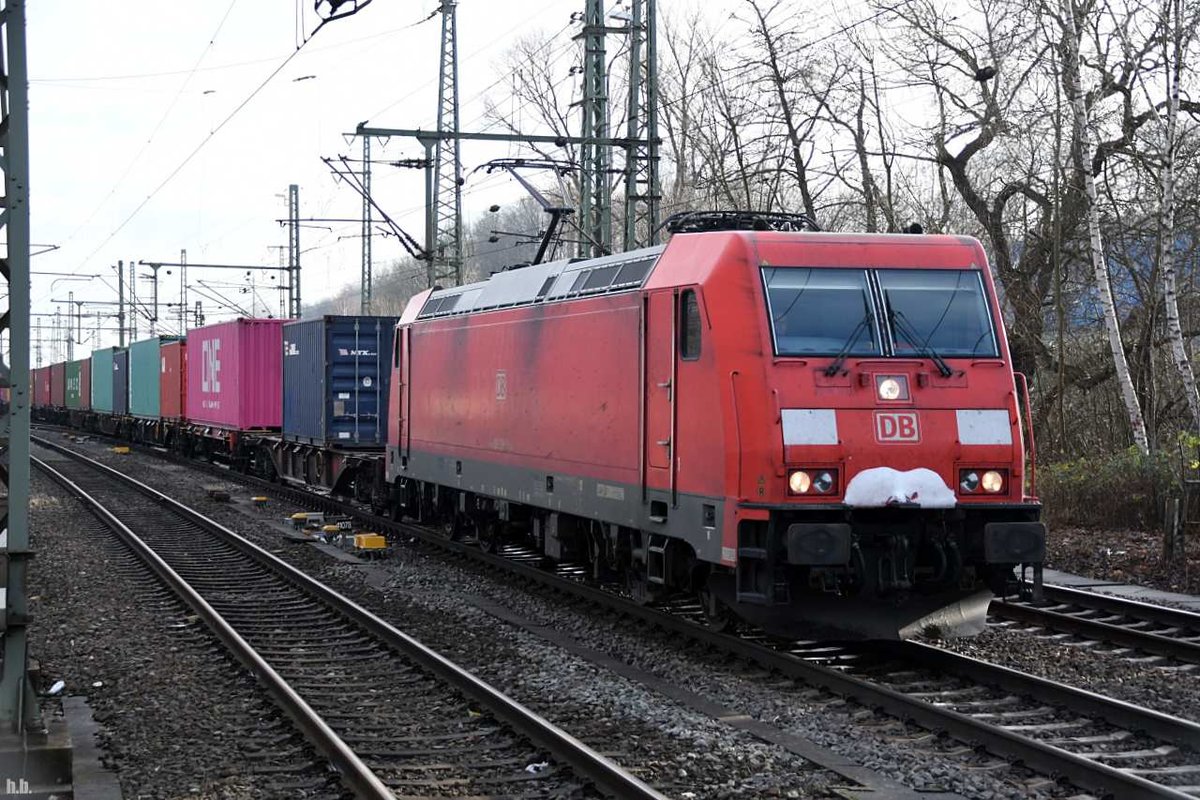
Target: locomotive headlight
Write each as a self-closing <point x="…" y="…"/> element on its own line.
<point x="992" y="481"/>
<point x="969" y="482"/>
<point x="799" y="482"/>
<point x="891" y="387"/>
<point x="824" y="482"/>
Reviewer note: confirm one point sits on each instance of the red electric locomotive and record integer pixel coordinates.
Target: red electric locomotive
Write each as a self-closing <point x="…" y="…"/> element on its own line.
<point x="811" y="431"/>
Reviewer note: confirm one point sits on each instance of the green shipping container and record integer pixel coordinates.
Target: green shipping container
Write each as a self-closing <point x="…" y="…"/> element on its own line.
<point x="145" y="372"/>
<point x="102" y="382"/>
<point x="75" y="385"/>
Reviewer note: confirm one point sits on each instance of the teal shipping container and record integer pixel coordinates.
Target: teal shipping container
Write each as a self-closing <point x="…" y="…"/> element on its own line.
<point x="145" y="371"/>
<point x="102" y="383"/>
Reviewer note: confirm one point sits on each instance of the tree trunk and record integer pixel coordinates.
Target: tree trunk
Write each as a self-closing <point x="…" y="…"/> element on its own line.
<point x="1166" y="238"/>
<point x="1099" y="265"/>
<point x="780" y="84"/>
<point x="864" y="165"/>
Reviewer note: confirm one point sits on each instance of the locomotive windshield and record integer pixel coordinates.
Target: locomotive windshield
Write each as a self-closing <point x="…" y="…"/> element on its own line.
<point x="937" y="310"/>
<point x="821" y="311"/>
<point x="928" y="312"/>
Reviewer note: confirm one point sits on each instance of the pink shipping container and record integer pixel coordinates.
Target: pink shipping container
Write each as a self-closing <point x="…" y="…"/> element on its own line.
<point x="58" y="385"/>
<point x="41" y="387"/>
<point x="172" y="384"/>
<point x="235" y="374"/>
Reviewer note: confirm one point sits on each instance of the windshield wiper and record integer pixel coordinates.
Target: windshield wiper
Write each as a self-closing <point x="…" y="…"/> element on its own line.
<point x="897" y="318"/>
<point x="840" y="358"/>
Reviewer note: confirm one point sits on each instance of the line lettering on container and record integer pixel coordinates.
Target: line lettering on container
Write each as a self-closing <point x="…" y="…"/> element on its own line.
<point x="210" y="366"/>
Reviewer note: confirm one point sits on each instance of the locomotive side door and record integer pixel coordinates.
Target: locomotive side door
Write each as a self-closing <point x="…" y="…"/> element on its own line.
<point x="405" y="372"/>
<point x="658" y="335"/>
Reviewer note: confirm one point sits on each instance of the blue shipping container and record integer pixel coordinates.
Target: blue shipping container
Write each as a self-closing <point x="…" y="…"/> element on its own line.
<point x="336" y="372"/>
<point x="120" y="383"/>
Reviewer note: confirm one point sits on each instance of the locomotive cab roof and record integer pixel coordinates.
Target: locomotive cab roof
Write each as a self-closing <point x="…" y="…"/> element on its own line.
<point x="555" y="280"/>
<point x="573" y="277"/>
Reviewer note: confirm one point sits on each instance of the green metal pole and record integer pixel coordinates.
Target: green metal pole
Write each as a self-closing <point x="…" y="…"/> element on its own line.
<point x="18" y="705"/>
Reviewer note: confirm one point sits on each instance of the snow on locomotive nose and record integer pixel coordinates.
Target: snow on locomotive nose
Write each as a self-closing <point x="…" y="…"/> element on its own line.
<point x="878" y="487"/>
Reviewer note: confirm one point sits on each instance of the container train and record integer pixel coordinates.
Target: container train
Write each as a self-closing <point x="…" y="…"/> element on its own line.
<point x="815" y="433"/>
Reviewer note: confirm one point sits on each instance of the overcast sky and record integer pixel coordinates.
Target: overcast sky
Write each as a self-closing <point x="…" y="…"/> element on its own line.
<point x="122" y="94"/>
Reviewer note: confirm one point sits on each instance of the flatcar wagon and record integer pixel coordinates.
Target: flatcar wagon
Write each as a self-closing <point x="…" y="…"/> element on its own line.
<point x="807" y="430"/>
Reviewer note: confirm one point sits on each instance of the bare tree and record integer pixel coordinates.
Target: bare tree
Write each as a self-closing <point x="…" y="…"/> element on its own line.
<point x="732" y="140"/>
<point x="684" y="48"/>
<point x="783" y="69"/>
<point x="1172" y="12"/>
<point x="1073" y="65"/>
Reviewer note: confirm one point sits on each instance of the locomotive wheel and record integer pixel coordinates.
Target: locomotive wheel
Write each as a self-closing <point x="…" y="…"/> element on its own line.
<point x="640" y="590"/>
<point x="456" y="526"/>
<point x="487" y="533"/>
<point x="718" y="615"/>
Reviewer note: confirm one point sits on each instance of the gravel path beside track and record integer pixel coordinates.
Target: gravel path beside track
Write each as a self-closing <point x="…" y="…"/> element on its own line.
<point x="178" y="718"/>
<point x="427" y="591"/>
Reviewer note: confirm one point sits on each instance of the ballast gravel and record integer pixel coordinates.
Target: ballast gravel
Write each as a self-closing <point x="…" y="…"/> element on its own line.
<point x="680" y="752"/>
<point x="1137" y="678"/>
<point x="429" y="596"/>
<point x="177" y="717"/>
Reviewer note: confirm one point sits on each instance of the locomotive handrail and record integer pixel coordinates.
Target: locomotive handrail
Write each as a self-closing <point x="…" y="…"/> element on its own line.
<point x="1029" y="424"/>
<point x="737" y="428"/>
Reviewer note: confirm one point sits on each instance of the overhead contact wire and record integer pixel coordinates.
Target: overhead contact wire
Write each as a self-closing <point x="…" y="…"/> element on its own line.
<point x="170" y="107"/>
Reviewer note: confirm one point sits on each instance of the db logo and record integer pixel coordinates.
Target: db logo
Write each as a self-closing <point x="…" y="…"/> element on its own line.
<point x="897" y="426"/>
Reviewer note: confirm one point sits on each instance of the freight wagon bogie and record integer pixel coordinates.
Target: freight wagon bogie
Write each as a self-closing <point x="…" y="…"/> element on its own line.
<point x="350" y="474"/>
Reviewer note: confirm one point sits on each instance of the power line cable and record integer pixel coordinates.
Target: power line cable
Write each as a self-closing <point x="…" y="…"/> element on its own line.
<point x="196" y="150"/>
<point x="216" y="67"/>
<point x="471" y="55"/>
<point x="158" y="126"/>
<point x="799" y="48"/>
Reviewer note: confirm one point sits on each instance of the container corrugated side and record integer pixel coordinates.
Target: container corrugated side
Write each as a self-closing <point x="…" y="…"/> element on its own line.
<point x="335" y="374"/>
<point x="234" y="374"/>
<point x="173" y="380"/>
<point x="58" y="385"/>
<point x="41" y="387"/>
<point x="120" y="382"/>
<point x="74" y="390"/>
<point x="303" y="380"/>
<point x="145" y="373"/>
<point x="85" y="385"/>
<point x="102" y="385"/>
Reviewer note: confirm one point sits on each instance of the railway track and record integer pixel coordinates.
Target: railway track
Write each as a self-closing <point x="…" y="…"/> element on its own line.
<point x="394" y="718"/>
<point x="1096" y="743"/>
<point x="1171" y="634"/>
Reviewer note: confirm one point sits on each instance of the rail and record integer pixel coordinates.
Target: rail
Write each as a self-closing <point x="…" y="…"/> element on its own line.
<point x="1084" y="769"/>
<point x="1167" y="632"/>
<point x="583" y="760"/>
